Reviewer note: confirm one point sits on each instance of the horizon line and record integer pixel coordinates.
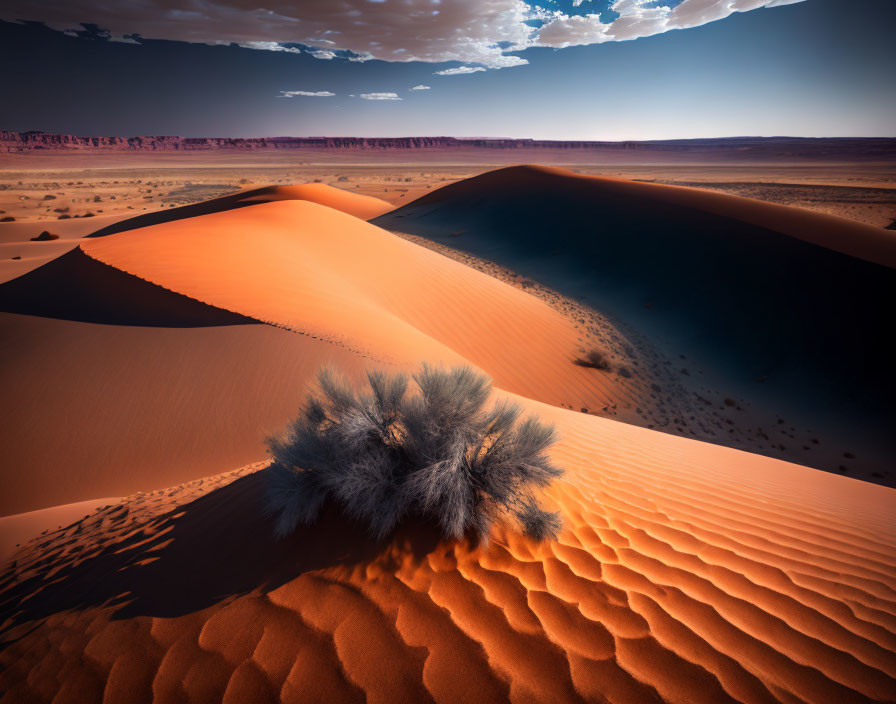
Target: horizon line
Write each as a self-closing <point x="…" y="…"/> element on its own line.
<point x="452" y="137"/>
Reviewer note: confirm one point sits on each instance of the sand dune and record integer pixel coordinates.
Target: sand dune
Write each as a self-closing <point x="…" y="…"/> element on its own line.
<point x="873" y="244"/>
<point x="283" y="263"/>
<point x="685" y="573"/>
<point x="19" y="255"/>
<point x="744" y="289"/>
<point x="169" y="315"/>
<point x="98" y="410"/>
<point x="360" y="206"/>
<point x="112" y="384"/>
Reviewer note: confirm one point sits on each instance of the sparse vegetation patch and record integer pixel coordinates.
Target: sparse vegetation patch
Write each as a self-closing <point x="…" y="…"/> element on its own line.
<point x="435" y="450"/>
<point x="595" y="359"/>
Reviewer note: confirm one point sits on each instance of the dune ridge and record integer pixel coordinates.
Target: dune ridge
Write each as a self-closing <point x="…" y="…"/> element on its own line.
<point x="391" y="300"/>
<point x="355" y="204"/>
<point x="685" y="573"/>
<point x="172" y="314"/>
<point x="873" y="244"/>
<point x="781" y="306"/>
<point x="15" y="238"/>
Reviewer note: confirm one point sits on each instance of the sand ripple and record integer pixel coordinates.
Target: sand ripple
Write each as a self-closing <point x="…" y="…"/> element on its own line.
<point x="659" y="589"/>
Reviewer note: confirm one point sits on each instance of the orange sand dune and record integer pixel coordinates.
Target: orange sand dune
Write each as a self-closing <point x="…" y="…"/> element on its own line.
<point x="126" y="383"/>
<point x="15" y="237"/>
<point x="361" y="206"/>
<point x="95" y="409"/>
<point x="288" y="264"/>
<point x="355" y="204"/>
<point x="111" y="384"/>
<point x="685" y="573"/>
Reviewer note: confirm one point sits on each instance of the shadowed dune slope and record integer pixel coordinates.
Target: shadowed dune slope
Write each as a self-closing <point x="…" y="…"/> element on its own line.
<point x="685" y="573"/>
<point x="765" y="291"/>
<point x="355" y="204"/>
<point x="19" y="254"/>
<point x="77" y="287"/>
<point x="514" y="184"/>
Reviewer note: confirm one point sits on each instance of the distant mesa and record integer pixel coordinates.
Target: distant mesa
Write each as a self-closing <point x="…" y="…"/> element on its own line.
<point x="742" y="148"/>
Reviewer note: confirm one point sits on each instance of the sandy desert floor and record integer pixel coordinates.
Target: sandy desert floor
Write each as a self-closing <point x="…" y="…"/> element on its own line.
<point x="37" y="187"/>
<point x="148" y="363"/>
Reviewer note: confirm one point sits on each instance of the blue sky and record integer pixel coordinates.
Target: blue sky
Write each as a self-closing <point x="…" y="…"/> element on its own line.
<point x="807" y="69"/>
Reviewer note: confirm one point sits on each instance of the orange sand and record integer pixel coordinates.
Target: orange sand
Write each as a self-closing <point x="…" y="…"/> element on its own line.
<point x="15" y="238"/>
<point x="686" y="572"/>
<point x="361" y="206"/>
<point x="22" y="527"/>
<point x="287" y="264"/>
<point x="211" y="389"/>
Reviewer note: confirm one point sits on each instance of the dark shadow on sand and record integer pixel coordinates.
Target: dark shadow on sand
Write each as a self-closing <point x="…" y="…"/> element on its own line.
<point x="218" y="546"/>
<point x="78" y="287"/>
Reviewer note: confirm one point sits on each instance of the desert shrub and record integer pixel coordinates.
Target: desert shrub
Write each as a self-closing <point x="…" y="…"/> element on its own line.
<point x="45" y="236"/>
<point x="436" y="451"/>
<point x="595" y="359"/>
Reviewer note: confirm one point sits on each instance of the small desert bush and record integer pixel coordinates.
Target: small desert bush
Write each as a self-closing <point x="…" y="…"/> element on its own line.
<point x="435" y="450"/>
<point x="595" y="359"/>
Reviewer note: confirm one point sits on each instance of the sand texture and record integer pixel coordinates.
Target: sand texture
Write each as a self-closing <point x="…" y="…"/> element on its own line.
<point x="779" y="307"/>
<point x="686" y="572"/>
<point x="19" y="254"/>
<point x="165" y="313"/>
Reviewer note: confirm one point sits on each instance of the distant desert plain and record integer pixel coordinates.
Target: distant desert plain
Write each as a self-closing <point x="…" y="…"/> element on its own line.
<point x="705" y="323"/>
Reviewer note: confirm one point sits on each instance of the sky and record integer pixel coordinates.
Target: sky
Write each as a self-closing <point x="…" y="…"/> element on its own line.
<point x="542" y="69"/>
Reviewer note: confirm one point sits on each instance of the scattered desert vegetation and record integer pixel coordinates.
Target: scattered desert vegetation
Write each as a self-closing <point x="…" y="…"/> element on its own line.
<point x="436" y="451"/>
<point x="595" y="359"/>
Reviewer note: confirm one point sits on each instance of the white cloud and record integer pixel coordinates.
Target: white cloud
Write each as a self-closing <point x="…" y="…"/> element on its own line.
<point x="322" y="54"/>
<point x="484" y="33"/>
<point x="306" y="94"/>
<point x="639" y="18"/>
<point x="380" y="96"/>
<point x="459" y="70"/>
<point x="269" y="46"/>
<point x="420" y="87"/>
